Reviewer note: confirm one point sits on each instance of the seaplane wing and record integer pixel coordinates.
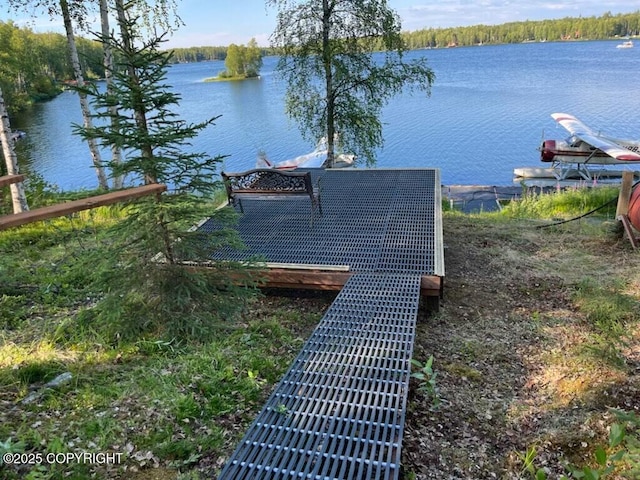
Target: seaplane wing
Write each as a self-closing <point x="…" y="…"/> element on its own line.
<point x="587" y="135"/>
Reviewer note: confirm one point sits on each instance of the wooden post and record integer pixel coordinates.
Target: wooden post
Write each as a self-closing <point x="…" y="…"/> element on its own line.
<point x="18" y="196"/>
<point x="625" y="193"/>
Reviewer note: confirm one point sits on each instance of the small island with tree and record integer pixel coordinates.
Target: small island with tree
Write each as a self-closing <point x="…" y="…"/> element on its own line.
<point x="241" y="62"/>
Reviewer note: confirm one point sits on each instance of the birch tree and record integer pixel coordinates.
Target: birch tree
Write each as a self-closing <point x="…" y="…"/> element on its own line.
<point x="18" y="198"/>
<point x="84" y="103"/>
<point x="116" y="152"/>
<point x="336" y="84"/>
<point x="67" y="13"/>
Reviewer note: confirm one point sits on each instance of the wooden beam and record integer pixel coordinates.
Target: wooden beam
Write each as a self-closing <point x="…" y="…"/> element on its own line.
<point x="308" y="266"/>
<point x="320" y="277"/>
<point x="625" y="193"/>
<point x="10" y="179"/>
<point x="304" y="279"/>
<point x="431" y="286"/>
<point x="67" y="208"/>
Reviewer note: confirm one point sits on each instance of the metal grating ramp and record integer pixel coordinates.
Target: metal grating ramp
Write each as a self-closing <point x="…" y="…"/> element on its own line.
<point x="339" y="411"/>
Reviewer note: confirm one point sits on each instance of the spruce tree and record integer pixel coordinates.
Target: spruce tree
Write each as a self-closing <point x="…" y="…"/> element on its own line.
<point x="150" y="283"/>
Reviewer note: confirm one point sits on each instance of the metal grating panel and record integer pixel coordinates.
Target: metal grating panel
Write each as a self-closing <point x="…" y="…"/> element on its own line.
<point x="374" y="220"/>
<point x="338" y="413"/>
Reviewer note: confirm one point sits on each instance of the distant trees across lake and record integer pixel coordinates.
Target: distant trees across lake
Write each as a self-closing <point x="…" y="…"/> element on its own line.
<point x="36" y="66"/>
<point x="571" y="28"/>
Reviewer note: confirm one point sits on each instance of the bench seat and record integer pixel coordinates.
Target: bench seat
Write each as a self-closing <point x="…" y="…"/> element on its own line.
<point x="269" y="184"/>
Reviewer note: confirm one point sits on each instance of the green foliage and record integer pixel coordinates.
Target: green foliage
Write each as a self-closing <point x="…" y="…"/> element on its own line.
<point x="563" y="203"/>
<point x="426" y="377"/>
<point x="148" y="287"/>
<point x="242" y="62"/>
<point x="607" y="462"/>
<point x="622" y="453"/>
<point x="528" y="466"/>
<point x="335" y="86"/>
<point x="35" y="65"/>
<point x="9" y="446"/>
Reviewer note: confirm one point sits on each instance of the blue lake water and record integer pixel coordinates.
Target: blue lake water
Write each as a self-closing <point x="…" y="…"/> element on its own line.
<point x="486" y="115"/>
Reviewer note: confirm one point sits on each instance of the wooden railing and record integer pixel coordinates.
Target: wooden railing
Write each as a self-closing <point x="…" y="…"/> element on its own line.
<point x="67" y="208"/>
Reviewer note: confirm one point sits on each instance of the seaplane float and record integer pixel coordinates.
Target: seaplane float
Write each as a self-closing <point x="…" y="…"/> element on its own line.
<point x="584" y="148"/>
<point x="314" y="159"/>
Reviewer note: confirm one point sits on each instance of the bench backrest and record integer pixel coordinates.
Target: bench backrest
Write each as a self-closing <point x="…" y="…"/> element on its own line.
<point x="267" y="180"/>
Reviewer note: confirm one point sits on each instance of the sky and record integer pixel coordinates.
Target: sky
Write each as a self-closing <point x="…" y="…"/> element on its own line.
<point x="222" y="22"/>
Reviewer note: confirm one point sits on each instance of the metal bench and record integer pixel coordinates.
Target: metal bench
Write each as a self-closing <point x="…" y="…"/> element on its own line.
<point x="266" y="183"/>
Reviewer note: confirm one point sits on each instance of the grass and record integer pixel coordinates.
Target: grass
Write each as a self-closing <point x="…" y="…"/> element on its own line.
<point x="176" y="401"/>
<point x="178" y="406"/>
<point x="564" y="203"/>
<point x="166" y="402"/>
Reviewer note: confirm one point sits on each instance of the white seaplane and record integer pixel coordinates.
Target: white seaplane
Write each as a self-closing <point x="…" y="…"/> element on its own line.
<point x="585" y="147"/>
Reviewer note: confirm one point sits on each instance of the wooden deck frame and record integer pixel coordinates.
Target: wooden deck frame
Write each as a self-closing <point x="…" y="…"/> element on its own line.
<point x="324" y="277"/>
<point x="430" y="285"/>
<point x="67" y="208"/>
<point x="11" y="179"/>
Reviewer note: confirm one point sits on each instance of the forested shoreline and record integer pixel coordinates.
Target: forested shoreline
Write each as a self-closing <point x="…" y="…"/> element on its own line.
<point x="36" y="66"/>
<point x="605" y="27"/>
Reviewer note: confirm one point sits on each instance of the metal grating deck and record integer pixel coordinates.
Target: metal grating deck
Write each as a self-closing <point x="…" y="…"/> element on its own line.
<point x="373" y="221"/>
<point x="338" y="413"/>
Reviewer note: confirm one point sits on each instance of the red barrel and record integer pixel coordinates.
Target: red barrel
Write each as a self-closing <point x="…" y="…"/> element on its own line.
<point x="634" y="207"/>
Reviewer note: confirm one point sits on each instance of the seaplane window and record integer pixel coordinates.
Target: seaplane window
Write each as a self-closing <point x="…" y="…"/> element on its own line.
<point x="574" y="141"/>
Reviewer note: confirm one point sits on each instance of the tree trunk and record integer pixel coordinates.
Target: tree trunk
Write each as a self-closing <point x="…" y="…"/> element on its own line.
<point x="18" y="198"/>
<point x="116" y="153"/>
<point x="327" y="11"/>
<point x="84" y="104"/>
<point x="137" y="101"/>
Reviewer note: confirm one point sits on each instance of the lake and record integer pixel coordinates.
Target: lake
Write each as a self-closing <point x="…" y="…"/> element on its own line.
<point x="487" y="113"/>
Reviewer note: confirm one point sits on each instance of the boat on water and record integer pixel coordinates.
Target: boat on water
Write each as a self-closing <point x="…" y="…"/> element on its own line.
<point x="314" y="159"/>
<point x="16" y="135"/>
<point x="627" y="44"/>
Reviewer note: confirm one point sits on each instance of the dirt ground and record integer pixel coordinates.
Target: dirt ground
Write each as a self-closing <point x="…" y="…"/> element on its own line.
<point x="511" y="353"/>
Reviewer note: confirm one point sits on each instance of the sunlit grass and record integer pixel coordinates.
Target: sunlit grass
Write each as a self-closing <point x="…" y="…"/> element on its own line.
<point x="564" y="203"/>
<point x="40" y="351"/>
